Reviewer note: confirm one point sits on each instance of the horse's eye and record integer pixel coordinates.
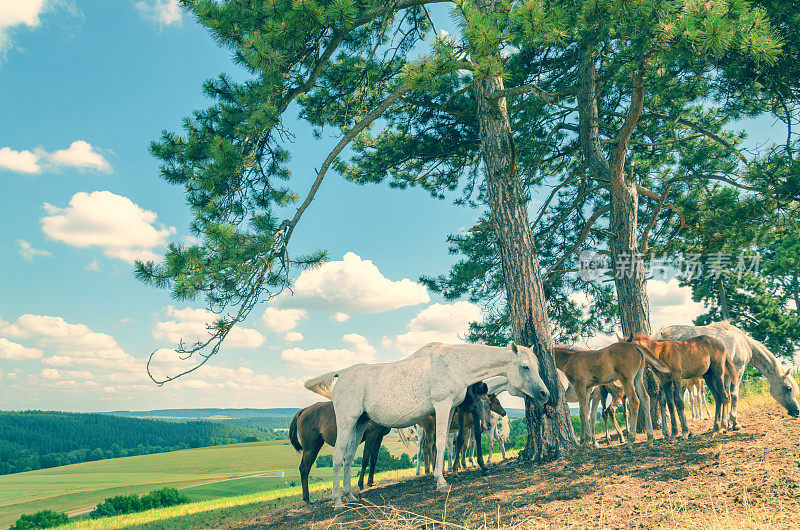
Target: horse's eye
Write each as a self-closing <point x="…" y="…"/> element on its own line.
<point x="525" y="367"/>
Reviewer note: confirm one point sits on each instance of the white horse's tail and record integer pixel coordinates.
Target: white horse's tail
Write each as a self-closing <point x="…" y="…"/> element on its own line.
<point x="504" y="430"/>
<point x="323" y="385"/>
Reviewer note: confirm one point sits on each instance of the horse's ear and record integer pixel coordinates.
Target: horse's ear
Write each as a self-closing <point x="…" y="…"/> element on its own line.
<point x="630" y="339"/>
<point x="514" y="347"/>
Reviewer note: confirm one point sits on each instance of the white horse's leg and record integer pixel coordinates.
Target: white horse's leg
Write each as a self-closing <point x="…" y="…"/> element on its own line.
<point x="490" y="437"/>
<point x="355" y="440"/>
<point x="644" y="400"/>
<point x="594" y="400"/>
<point x="734" y="390"/>
<point x="443" y="419"/>
<point x="502" y="446"/>
<point x="345" y="425"/>
<point x="420" y="440"/>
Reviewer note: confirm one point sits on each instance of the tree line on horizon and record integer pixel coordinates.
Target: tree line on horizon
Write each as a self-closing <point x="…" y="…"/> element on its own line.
<point x="33" y="440"/>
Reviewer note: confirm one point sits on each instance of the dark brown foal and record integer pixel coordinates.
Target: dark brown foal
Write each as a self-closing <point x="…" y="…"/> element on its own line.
<point x="478" y="405"/>
<point x="316" y="425"/>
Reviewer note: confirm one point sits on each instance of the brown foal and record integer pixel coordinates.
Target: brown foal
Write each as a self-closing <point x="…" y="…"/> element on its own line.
<point x="588" y="368"/>
<point x="314" y="426"/>
<point x="699" y="356"/>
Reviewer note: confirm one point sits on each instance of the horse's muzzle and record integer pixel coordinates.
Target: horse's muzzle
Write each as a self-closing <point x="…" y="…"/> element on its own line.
<point x="542" y="396"/>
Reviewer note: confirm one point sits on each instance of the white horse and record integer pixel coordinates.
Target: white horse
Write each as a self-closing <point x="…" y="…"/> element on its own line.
<point x="401" y="393"/>
<point x="499" y="429"/>
<point x="743" y="351"/>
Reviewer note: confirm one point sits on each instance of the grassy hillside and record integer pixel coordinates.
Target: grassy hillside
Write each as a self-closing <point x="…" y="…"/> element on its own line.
<point x="734" y="480"/>
<point x="81" y="486"/>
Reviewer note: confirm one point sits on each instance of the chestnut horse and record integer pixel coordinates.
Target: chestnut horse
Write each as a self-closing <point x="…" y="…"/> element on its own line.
<point x="699" y="356"/>
<point x="588" y="368"/>
<point x="315" y="425"/>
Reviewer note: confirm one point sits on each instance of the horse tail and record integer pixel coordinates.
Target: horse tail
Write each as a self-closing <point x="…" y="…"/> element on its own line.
<point x="293" y="432"/>
<point x="732" y="372"/>
<point x="323" y="385"/>
<point x="650" y="359"/>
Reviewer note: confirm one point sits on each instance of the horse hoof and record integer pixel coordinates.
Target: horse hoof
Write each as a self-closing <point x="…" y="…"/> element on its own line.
<point x="444" y="487"/>
<point x="339" y="508"/>
<point x="736" y="427"/>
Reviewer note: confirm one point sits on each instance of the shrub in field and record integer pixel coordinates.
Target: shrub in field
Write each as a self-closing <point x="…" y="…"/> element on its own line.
<point x="43" y="519"/>
<point x="121" y="504"/>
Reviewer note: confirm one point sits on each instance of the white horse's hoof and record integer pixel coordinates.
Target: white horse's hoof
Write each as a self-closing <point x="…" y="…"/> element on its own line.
<point x="736" y="427"/>
<point x="445" y="487"/>
<point x="338" y="507"/>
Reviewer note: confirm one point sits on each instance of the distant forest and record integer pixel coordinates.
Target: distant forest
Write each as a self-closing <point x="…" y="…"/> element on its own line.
<point x="35" y="439"/>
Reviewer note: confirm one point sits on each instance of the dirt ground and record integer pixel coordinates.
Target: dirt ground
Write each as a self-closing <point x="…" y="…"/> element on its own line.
<point x="744" y="479"/>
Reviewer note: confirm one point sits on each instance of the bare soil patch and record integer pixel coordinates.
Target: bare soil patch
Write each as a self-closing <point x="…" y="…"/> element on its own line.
<point x="749" y="478"/>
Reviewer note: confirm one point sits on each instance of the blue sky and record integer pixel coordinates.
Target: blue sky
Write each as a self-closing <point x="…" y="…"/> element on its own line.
<point x="87" y="84"/>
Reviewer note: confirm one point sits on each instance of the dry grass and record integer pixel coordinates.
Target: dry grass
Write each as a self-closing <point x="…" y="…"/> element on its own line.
<point x="745" y="479"/>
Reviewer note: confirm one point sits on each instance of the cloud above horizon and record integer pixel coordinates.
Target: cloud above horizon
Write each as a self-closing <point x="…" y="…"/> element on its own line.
<point x="190" y="325"/>
<point x="319" y="360"/>
<point x="80" y="155"/>
<point x="351" y="286"/>
<point x="111" y="222"/>
<point x="164" y="12"/>
<point x="436" y="323"/>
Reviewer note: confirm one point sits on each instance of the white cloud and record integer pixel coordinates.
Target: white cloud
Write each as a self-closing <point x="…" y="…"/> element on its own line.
<point x="438" y="323"/>
<point x="165" y="12"/>
<point x="282" y="320"/>
<point x="18" y="161"/>
<point x="92" y="266"/>
<point x="352" y="285"/>
<point x="80" y="155"/>
<point x="53" y="374"/>
<point x="70" y="346"/>
<point x="190" y="324"/>
<point x="671" y="304"/>
<point x="28" y="252"/>
<point x="319" y="360"/>
<point x="340" y="317"/>
<point x="293" y="336"/>
<point x="113" y="222"/>
<point x="13" y="351"/>
<point x="17" y="13"/>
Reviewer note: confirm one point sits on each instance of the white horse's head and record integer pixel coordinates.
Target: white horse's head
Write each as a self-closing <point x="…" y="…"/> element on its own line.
<point x="786" y="393"/>
<point x="523" y="374"/>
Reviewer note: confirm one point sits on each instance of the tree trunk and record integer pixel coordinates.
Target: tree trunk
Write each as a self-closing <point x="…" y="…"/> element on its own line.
<point x="627" y="263"/>
<point x="550" y="431"/>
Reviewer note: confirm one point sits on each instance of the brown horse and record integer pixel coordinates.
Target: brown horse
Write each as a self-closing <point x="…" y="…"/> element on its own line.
<point x="428" y="426"/>
<point x="699" y="356"/>
<point x="315" y="425"/>
<point x="588" y="368"/>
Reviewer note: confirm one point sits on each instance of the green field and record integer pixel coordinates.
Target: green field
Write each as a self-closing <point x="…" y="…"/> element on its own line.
<point x="81" y="486"/>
